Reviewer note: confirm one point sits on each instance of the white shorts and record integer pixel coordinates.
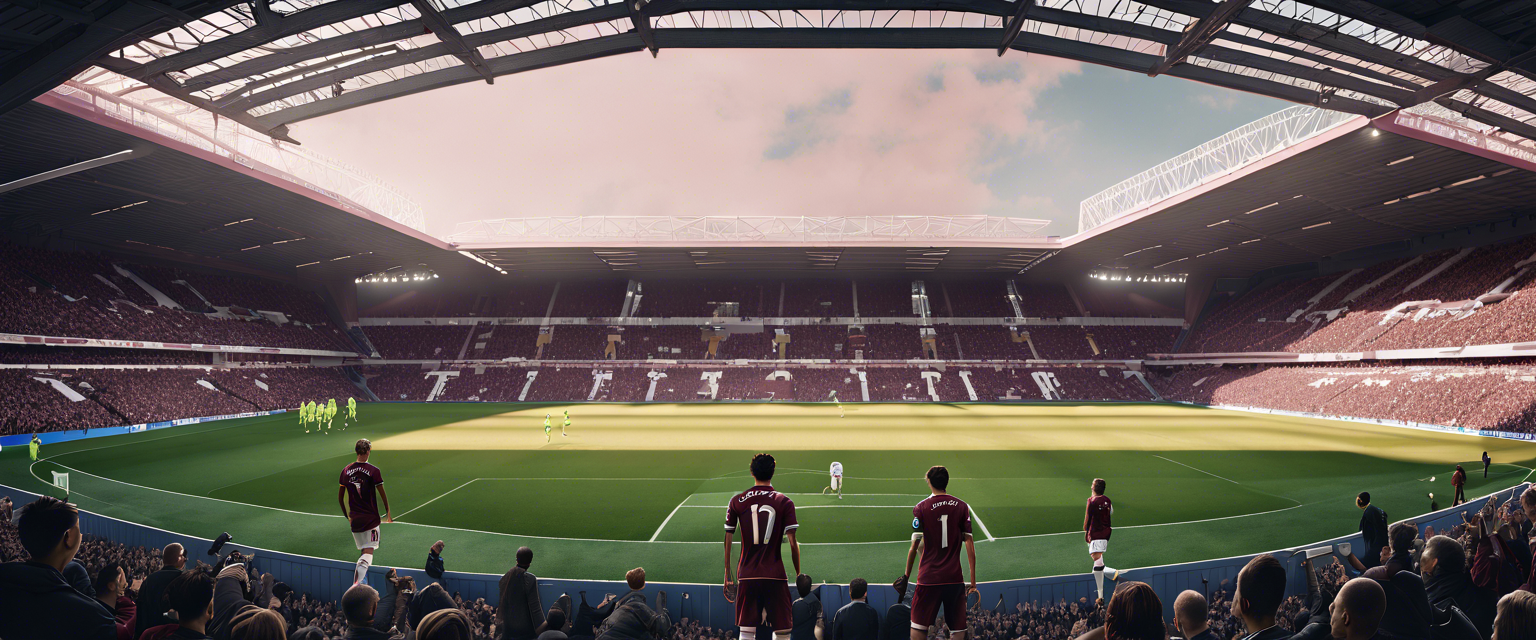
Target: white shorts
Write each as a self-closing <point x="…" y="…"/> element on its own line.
<point x="837" y="483"/>
<point x="1098" y="546"/>
<point x="366" y="539"/>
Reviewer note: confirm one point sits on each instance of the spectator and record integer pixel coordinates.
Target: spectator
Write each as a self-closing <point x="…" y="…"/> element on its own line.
<point x="1459" y="481"/>
<point x="856" y="620"/>
<point x="584" y="625"/>
<point x="432" y="599"/>
<point x="1357" y="611"/>
<point x="435" y="560"/>
<point x="35" y="599"/>
<point x="522" y="614"/>
<point x="1260" y="590"/>
<point x="632" y="618"/>
<point x="1516" y="619"/>
<point x="190" y="595"/>
<point x="555" y="621"/>
<point x="1191" y="616"/>
<point x="152" y="591"/>
<point x="1401" y="537"/>
<point x="112" y="591"/>
<point x="232" y="597"/>
<point x="358" y="604"/>
<point x="1134" y="613"/>
<point x="1373" y="526"/>
<point x="807" y="611"/>
<point x="898" y="619"/>
<point x="1448" y="583"/>
<point x="261" y="624"/>
<point x="445" y="624"/>
<point x="393" y="608"/>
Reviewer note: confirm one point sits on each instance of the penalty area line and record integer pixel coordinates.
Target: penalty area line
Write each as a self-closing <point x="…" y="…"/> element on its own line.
<point x="669" y="519"/>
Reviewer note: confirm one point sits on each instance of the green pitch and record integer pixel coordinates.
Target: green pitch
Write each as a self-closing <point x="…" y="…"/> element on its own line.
<point x="645" y="485"/>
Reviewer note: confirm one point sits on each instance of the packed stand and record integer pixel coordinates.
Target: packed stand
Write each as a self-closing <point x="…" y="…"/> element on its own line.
<point x="704" y="298"/>
<point x="418" y="342"/>
<point x="590" y="299"/>
<point x="399" y="383"/>
<point x="31" y="406"/>
<point x="812" y="298"/>
<point x="885" y="297"/>
<point x="29" y="354"/>
<point x="504" y="341"/>
<point x="970" y="299"/>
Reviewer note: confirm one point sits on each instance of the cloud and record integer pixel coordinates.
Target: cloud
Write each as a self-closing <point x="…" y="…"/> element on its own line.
<point x="744" y="132"/>
<point x="1216" y="102"/>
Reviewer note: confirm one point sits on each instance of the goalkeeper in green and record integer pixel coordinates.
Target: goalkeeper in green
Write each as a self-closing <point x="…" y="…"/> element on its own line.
<point x="567" y="424"/>
<point x="351" y="409"/>
<point x="36" y="445"/>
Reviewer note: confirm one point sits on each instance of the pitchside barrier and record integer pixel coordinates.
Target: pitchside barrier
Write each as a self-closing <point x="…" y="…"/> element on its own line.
<point x="328" y="579"/>
<point x="50" y="437"/>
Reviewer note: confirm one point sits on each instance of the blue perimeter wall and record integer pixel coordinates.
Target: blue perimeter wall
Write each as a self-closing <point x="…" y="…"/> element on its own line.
<point x="705" y="603"/>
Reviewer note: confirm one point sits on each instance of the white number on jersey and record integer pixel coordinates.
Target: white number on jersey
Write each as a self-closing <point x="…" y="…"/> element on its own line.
<point x="757" y="538"/>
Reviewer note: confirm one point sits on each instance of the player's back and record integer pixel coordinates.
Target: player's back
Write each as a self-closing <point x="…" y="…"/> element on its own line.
<point x="766" y="515"/>
<point x="1099" y="511"/>
<point x="361" y="479"/>
<point x="944" y="521"/>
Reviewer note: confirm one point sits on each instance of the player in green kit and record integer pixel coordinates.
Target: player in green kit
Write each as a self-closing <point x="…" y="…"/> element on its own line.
<point x="35" y="445"/>
<point x="547" y="427"/>
<point x="352" y="409"/>
<point x="567" y="424"/>
<point x="330" y="413"/>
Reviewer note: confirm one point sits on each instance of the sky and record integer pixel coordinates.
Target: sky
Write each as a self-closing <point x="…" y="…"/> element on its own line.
<point x="795" y="132"/>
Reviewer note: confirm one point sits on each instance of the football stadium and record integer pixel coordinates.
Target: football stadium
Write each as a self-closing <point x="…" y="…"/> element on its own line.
<point x="809" y="270"/>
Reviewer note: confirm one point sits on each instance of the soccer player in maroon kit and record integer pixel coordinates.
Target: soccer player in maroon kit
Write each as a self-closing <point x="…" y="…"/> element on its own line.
<point x="939" y="524"/>
<point x="1096" y="532"/>
<point x="762" y="588"/>
<point x="358" y="482"/>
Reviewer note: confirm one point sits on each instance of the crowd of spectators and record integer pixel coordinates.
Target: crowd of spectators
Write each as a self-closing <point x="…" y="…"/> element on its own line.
<point x="36" y="354"/>
<point x="419" y="342"/>
<point x="1363" y="309"/>
<point x="1476" y="395"/>
<point x="83" y="295"/>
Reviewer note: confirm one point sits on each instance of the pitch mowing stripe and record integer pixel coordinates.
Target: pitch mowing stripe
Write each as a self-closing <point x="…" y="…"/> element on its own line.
<point x="1266" y="493"/>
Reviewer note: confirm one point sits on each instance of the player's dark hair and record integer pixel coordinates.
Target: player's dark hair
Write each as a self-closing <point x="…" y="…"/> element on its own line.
<point x="858" y="588"/>
<point x="803" y="585"/>
<point x="106" y="577"/>
<point x="189" y="594"/>
<point x="938" y="477"/>
<point x="1364" y="498"/>
<point x="1134" y="613"/>
<point x="43" y="523"/>
<point x="1098" y="486"/>
<point x="1450" y="556"/>
<point x="762" y="467"/>
<point x="1400" y="536"/>
<point x="363" y="446"/>
<point x="1262" y="584"/>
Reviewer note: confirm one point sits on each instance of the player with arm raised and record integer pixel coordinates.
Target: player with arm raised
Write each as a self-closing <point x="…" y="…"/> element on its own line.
<point x="358" y="482"/>
<point x="939" y="524"/>
<point x="1096" y="532"/>
<point x="761" y="588"/>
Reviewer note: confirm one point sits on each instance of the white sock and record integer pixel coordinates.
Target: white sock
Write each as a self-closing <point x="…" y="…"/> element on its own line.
<point x="1111" y="573"/>
<point x="748" y="634"/>
<point x="1098" y="576"/>
<point x="363" y="562"/>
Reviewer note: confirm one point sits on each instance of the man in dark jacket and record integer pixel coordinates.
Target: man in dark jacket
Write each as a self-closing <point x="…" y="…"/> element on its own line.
<point x="632" y="618"/>
<point x="112" y="592"/>
<point x="152" y="591"/>
<point x="856" y="620"/>
<point x="358" y="606"/>
<point x="806" y="611"/>
<point x="190" y="595"/>
<point x="1447" y="582"/>
<point x="1191" y="616"/>
<point x="35" y="599"/>
<point x="897" y="624"/>
<point x="556" y="620"/>
<point x="435" y="561"/>
<point x="1373" y="527"/>
<point x="520" y="611"/>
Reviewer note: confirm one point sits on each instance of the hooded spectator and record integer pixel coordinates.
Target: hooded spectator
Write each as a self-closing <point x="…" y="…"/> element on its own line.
<point x="35" y="599"/>
<point x="519" y="608"/>
<point x="1447" y="582"/>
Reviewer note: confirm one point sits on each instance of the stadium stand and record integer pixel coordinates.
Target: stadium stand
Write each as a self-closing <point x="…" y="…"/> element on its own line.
<point x="813" y="298"/>
<point x="28" y="354"/>
<point x="971" y="299"/>
<point x="418" y="342"/>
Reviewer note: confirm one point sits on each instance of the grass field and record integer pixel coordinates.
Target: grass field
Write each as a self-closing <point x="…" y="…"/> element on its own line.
<point x="645" y="484"/>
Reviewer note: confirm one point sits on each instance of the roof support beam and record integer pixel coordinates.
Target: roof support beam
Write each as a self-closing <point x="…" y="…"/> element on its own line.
<point x="1015" y="25"/>
<point x="642" y="23"/>
<point x="58" y="10"/>
<point x="292" y="24"/>
<point x="1478" y="82"/>
<point x="453" y="39"/>
<point x="1198" y="34"/>
<point x="164" y="84"/>
<point x="126" y="154"/>
<point x="1496" y="119"/>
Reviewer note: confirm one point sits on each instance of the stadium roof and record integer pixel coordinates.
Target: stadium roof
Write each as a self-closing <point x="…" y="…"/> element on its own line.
<point x="269" y="63"/>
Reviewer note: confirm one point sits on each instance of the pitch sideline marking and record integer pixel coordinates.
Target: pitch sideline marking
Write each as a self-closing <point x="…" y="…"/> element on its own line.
<point x="188" y="495"/>
<point x="1158" y="524"/>
<point x="437" y="498"/>
<point x="669" y="518"/>
<point x="983" y="525"/>
<point x="1298" y="502"/>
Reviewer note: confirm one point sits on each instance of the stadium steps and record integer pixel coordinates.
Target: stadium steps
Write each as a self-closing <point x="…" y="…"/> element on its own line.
<point x="234" y="395"/>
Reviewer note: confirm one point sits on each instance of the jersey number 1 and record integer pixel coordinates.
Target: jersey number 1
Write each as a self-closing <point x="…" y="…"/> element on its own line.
<point x="767" y="526"/>
<point x="944" y="531"/>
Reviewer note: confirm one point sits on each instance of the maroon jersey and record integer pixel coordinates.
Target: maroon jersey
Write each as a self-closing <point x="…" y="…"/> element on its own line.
<point x="944" y="522"/>
<point x="1096" y="520"/>
<point x="360" y="479"/>
<point x="768" y="515"/>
